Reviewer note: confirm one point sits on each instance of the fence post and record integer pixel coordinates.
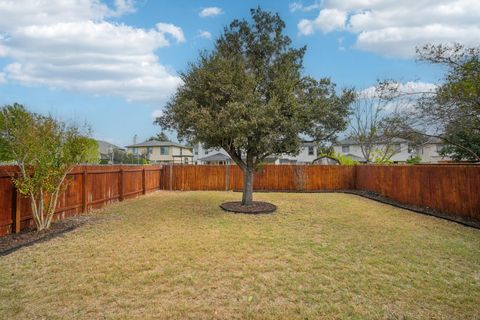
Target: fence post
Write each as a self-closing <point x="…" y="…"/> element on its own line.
<point x="171" y="177"/>
<point x="355" y="177"/>
<point x="144" y="188"/>
<point x="120" y="184"/>
<point x="226" y="175"/>
<point x="16" y="210"/>
<point x="84" y="191"/>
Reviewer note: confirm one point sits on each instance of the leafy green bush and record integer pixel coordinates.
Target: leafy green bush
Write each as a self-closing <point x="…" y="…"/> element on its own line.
<point x="344" y="160"/>
<point x="414" y="160"/>
<point x="45" y="149"/>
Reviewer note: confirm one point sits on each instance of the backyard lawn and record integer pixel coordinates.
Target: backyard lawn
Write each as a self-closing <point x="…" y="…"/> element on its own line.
<point x="178" y="255"/>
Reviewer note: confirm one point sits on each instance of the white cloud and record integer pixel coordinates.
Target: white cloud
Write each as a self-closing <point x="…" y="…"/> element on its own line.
<point x="394" y="28"/>
<point x="204" y="34"/>
<point x="210" y="12"/>
<point x="403" y="87"/>
<point x="173" y="30"/>
<point x="2" y="78"/>
<point x="328" y="20"/>
<point x="124" y="6"/>
<point x="157" y="113"/>
<point x="70" y="45"/>
<point x="409" y="91"/>
<point x="298" y="6"/>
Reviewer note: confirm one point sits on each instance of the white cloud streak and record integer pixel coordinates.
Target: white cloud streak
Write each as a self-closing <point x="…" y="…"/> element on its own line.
<point x="298" y="6"/>
<point x="210" y="12"/>
<point x="394" y="28"/>
<point x="71" y="45"/>
<point x="204" y="34"/>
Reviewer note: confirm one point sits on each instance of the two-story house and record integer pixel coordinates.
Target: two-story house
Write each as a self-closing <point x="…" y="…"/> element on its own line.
<point x="352" y="148"/>
<point x="429" y="151"/>
<point x="308" y="153"/>
<point x="162" y="151"/>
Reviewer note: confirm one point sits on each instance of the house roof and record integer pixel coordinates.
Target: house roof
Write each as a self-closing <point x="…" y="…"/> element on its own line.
<point x="104" y="147"/>
<point x="350" y="141"/>
<point x="433" y="140"/>
<point x="155" y="143"/>
<point x="326" y="157"/>
<point x="215" y="157"/>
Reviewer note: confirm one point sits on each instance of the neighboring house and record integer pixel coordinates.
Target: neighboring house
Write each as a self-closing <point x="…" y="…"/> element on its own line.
<point x="429" y="151"/>
<point x="162" y="152"/>
<point x="308" y="153"/>
<point x="107" y="151"/>
<point x="326" y="160"/>
<point x="352" y="148"/>
<point x="209" y="156"/>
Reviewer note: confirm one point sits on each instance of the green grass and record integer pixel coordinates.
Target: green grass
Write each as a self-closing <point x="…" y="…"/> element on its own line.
<point x="320" y="256"/>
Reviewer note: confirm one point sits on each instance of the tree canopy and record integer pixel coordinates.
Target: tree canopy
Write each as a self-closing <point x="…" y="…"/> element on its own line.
<point x="248" y="96"/>
<point x="45" y="149"/>
<point x="161" y="136"/>
<point x="452" y="112"/>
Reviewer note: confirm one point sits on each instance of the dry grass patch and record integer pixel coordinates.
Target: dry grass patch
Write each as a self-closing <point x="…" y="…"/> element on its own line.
<point x="178" y="255"/>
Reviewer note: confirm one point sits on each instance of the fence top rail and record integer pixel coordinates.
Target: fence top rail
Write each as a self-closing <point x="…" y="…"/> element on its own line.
<point x="10" y="170"/>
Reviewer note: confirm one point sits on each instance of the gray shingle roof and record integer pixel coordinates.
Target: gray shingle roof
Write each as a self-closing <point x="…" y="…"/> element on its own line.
<point x="155" y="143"/>
<point x="104" y="147"/>
<point x="215" y="157"/>
<point x="350" y="141"/>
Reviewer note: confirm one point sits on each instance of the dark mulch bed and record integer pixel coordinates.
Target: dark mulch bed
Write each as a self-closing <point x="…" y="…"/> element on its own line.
<point x="257" y="207"/>
<point x="13" y="242"/>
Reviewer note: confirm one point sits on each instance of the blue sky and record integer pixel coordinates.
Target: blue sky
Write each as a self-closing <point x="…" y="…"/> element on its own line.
<point x="113" y="64"/>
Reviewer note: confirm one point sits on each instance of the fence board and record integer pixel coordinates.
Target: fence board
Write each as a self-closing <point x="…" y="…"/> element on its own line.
<point x="451" y="189"/>
<point x="87" y="187"/>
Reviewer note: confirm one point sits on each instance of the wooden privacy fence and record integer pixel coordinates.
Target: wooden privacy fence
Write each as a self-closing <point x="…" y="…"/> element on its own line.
<point x="450" y="189"/>
<point x="453" y="189"/>
<point x="88" y="187"/>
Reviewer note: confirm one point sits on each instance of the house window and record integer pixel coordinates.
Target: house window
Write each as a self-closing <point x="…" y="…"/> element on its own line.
<point x="149" y="150"/>
<point x="397" y="147"/>
<point x="439" y="147"/>
<point x="311" y="151"/>
<point x="206" y="151"/>
<point x="135" y="150"/>
<point x="196" y="151"/>
<point x="345" y="149"/>
<point x="164" y="151"/>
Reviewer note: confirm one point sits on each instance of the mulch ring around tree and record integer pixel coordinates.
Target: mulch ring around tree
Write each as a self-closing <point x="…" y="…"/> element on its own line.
<point x="257" y="207"/>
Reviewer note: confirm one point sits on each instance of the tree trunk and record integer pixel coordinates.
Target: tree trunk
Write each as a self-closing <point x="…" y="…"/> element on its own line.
<point x="247" y="197"/>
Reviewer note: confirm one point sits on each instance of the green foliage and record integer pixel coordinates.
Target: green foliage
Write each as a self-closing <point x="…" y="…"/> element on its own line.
<point x="342" y="159"/>
<point x="381" y="157"/>
<point x="450" y="113"/>
<point x="45" y="150"/>
<point x="462" y="144"/>
<point x="248" y="97"/>
<point x="92" y="154"/>
<point x="129" y="158"/>
<point x="159" y="137"/>
<point x="414" y="160"/>
<point x="457" y="101"/>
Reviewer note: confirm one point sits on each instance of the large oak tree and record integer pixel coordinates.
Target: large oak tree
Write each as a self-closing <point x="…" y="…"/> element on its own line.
<point x="248" y="96"/>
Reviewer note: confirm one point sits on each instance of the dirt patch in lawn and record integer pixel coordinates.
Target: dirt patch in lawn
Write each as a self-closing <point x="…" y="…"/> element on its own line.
<point x="257" y="207"/>
<point x="13" y="242"/>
